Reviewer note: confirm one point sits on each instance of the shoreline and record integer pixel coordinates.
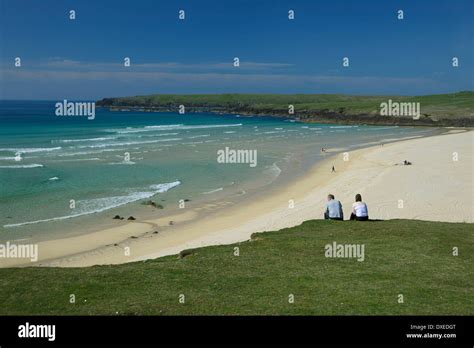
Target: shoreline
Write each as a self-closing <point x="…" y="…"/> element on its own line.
<point x="272" y="211"/>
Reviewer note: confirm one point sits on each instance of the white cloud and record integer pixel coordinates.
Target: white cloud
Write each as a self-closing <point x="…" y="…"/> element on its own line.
<point x="64" y="64"/>
<point x="68" y="78"/>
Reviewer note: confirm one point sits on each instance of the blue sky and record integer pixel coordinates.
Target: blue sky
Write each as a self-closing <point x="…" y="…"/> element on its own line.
<point x="83" y="58"/>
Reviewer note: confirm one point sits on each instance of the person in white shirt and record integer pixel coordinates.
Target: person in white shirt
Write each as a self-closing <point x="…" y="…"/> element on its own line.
<point x="359" y="209"/>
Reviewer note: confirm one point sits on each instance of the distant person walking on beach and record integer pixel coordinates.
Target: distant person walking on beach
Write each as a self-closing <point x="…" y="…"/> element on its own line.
<point x="359" y="209"/>
<point x="333" y="170"/>
<point x="333" y="209"/>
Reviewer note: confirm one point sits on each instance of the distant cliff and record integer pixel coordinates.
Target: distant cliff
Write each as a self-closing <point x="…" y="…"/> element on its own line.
<point x="455" y="109"/>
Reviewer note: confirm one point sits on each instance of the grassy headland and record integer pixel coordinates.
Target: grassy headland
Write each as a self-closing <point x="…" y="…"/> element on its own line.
<point x="456" y="109"/>
<point x="412" y="258"/>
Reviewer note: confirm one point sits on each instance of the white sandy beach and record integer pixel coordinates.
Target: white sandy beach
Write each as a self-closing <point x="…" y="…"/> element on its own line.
<point x="436" y="188"/>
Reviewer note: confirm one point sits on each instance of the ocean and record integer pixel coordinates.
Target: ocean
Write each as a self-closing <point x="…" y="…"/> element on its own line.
<point x="63" y="175"/>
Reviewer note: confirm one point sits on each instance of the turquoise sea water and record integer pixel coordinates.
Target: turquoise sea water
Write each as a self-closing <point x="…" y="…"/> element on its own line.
<point x="46" y="161"/>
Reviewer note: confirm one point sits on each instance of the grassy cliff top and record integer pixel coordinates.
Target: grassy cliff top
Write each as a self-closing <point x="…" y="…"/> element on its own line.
<point x="448" y="105"/>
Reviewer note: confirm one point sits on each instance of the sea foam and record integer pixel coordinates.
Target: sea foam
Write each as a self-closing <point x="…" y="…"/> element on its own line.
<point x="19" y="166"/>
<point x="97" y="205"/>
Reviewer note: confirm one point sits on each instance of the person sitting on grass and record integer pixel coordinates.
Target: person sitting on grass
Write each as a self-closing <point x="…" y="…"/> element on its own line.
<point x="333" y="209"/>
<point x="359" y="209"/>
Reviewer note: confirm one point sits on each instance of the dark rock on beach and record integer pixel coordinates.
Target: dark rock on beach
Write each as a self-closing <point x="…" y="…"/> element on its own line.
<point x="131" y="218"/>
<point x="153" y="204"/>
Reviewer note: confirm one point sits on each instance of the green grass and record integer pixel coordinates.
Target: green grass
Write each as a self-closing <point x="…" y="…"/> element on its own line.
<point x="413" y="258"/>
<point x="439" y="106"/>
